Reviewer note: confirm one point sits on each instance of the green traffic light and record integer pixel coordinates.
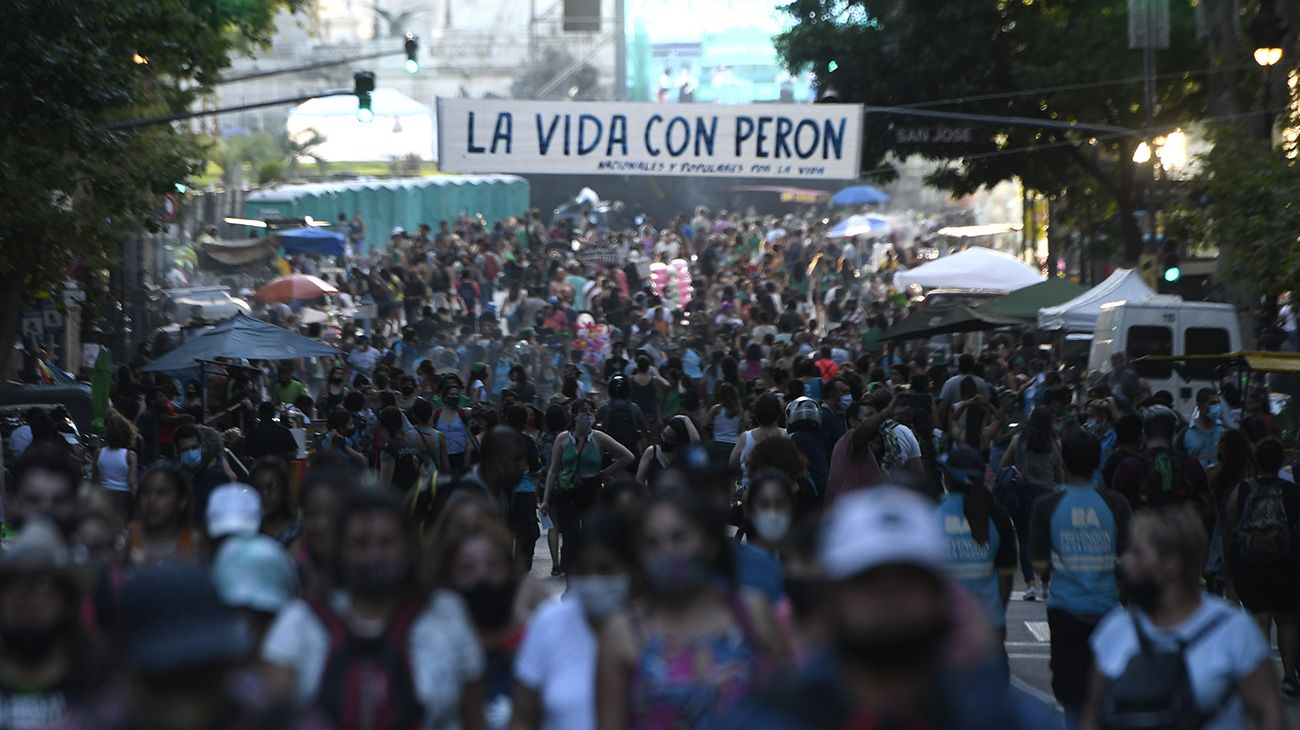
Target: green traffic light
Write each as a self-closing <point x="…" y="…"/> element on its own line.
<point x="412" y="66"/>
<point x="832" y="66"/>
<point x="1173" y="273"/>
<point x="365" y="114"/>
<point x="182" y="188"/>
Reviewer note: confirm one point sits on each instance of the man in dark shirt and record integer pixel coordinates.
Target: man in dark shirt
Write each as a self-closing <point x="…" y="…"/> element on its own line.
<point x="204" y="468"/>
<point x="269" y="438"/>
<point x="1128" y="444"/>
<point x="617" y="361"/>
<point x="1161" y="476"/>
<point x="426" y="328"/>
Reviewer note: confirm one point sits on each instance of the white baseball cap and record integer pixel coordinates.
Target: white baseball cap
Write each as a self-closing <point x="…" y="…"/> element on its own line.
<point x="234" y="509"/>
<point x="885" y="525"/>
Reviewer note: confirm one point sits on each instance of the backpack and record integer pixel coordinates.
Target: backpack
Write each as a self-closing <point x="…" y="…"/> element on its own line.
<point x="1155" y="690"/>
<point x="1164" y="484"/>
<point x="369" y="682"/>
<point x="422" y="499"/>
<point x="439" y="281"/>
<point x="620" y="424"/>
<point x="1263" y="529"/>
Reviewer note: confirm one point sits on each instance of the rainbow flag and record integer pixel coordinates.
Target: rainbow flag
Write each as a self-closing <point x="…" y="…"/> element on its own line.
<point x="52" y="375"/>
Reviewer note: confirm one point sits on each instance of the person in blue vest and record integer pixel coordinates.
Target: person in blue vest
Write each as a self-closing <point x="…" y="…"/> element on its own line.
<point x="1076" y="535"/>
<point x="981" y="543"/>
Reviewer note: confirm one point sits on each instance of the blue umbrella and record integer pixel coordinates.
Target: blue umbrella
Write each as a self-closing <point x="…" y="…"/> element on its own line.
<point x="241" y="337"/>
<point x="859" y="195"/>
<point x="860" y="225"/>
<point x="312" y="240"/>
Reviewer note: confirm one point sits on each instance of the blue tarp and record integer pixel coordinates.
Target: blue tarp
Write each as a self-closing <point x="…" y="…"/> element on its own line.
<point x="241" y="337"/>
<point x="312" y="240"/>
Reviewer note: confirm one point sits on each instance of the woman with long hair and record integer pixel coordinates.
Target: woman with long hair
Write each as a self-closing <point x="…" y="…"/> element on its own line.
<point x="577" y="472"/>
<point x="767" y="413"/>
<point x="677" y="432"/>
<point x="981" y="539"/>
<point x="694" y="643"/>
<point x="726" y="420"/>
<point x="117" y="464"/>
<point x="1035" y="452"/>
<point x="270" y="477"/>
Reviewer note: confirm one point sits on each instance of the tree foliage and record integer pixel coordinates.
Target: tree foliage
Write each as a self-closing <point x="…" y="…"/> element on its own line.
<point x="1063" y="60"/>
<point x="73" y="191"/>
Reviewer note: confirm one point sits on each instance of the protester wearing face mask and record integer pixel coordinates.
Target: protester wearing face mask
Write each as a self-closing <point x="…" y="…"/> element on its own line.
<point x="889" y="626"/>
<point x="331" y="396"/>
<point x="695" y="643"/>
<point x="203" y="467"/>
<point x="1201" y="439"/>
<point x="478" y="564"/>
<point x="575" y="477"/>
<point x="47" y="663"/>
<point x="677" y="432"/>
<point x="1225" y="656"/>
<point x="769" y="511"/>
<point x="555" y="669"/>
<point x="307" y="649"/>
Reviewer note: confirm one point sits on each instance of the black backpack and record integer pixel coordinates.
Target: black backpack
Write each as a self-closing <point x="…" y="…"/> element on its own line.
<point x="439" y="281"/>
<point x="368" y="682"/>
<point x="620" y="424"/>
<point x="1155" y="690"/>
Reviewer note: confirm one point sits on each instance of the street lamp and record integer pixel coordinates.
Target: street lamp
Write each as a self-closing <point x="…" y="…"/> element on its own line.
<point x="1267" y="31"/>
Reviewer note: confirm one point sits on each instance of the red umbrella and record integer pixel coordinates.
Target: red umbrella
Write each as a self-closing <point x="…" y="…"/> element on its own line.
<point x="294" y="286"/>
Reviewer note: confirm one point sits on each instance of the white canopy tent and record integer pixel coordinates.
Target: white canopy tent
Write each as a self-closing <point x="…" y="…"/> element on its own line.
<point x="402" y="126"/>
<point x="975" y="268"/>
<point x="1080" y="314"/>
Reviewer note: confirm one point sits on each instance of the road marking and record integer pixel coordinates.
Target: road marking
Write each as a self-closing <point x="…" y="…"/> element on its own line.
<point x="1025" y="645"/>
<point x="1040" y="630"/>
<point x="1034" y="692"/>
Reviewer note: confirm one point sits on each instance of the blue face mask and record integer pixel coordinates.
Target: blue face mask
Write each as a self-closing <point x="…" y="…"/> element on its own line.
<point x="192" y="459"/>
<point x="1214" y="412"/>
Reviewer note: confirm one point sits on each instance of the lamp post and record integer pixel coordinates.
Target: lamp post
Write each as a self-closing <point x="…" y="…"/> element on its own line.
<point x="1267" y="32"/>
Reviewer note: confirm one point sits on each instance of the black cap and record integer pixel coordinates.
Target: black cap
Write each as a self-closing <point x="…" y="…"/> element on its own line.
<point x="172" y="619"/>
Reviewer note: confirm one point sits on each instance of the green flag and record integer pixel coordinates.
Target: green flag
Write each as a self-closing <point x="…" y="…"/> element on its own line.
<point x="99" y="385"/>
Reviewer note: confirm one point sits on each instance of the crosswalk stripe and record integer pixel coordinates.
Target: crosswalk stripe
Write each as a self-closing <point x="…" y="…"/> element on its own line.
<point x="1040" y="630"/>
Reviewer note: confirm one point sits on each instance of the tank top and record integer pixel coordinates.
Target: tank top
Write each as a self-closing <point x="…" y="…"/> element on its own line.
<point x="645" y="397"/>
<point x="726" y="429"/>
<point x="114" y="471"/>
<point x="456" y="433"/>
<point x="685" y="683"/>
<point x="748" y="446"/>
<point x="577" y="462"/>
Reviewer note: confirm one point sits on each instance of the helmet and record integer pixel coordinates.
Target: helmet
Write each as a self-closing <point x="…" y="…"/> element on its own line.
<point x="803" y="409"/>
<point x="618" y="386"/>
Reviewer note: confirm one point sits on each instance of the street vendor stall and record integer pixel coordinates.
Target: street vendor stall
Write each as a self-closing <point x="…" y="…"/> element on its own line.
<point x="944" y="319"/>
<point x="974" y="268"/>
<point x="1080" y="314"/>
<point x="242" y="337"/>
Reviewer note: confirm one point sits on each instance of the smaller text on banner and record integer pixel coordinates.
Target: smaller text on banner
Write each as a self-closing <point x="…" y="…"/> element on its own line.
<point x="811" y="142"/>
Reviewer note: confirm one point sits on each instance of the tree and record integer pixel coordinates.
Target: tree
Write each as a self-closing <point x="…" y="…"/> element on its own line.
<point x="557" y="76"/>
<point x="72" y="191"/>
<point x="1065" y="60"/>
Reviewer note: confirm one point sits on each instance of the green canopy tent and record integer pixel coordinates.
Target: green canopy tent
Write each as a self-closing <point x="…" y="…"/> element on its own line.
<point x="1023" y="304"/>
<point x="945" y="319"/>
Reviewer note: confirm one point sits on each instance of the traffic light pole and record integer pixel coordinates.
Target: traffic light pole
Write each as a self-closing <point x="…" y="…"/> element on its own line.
<point x="169" y="118"/>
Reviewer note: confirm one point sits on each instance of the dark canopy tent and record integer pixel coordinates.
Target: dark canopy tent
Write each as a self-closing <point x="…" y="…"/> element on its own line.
<point x="944" y="319"/>
<point x="241" y="337"/>
<point x="1023" y="304"/>
<point x="313" y="241"/>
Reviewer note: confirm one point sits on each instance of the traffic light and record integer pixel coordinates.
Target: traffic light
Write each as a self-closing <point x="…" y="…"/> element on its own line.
<point x="181" y="187"/>
<point x="833" y="66"/>
<point x="412" y="54"/>
<point x="363" y="84"/>
<point x="1170" y="266"/>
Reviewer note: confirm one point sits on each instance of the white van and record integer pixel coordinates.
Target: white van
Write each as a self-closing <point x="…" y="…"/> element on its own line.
<point x="1166" y="325"/>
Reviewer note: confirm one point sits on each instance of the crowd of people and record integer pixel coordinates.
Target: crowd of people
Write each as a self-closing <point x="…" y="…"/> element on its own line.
<point x="757" y="512"/>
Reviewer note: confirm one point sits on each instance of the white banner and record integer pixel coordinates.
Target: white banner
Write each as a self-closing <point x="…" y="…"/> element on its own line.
<point x="803" y="141"/>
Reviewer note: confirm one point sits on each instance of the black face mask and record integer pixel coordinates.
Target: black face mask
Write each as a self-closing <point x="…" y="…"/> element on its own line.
<point x="373" y="578"/>
<point x="491" y="607"/>
<point x="1143" y="593"/>
<point x="29" y="647"/>
<point x="906" y="650"/>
